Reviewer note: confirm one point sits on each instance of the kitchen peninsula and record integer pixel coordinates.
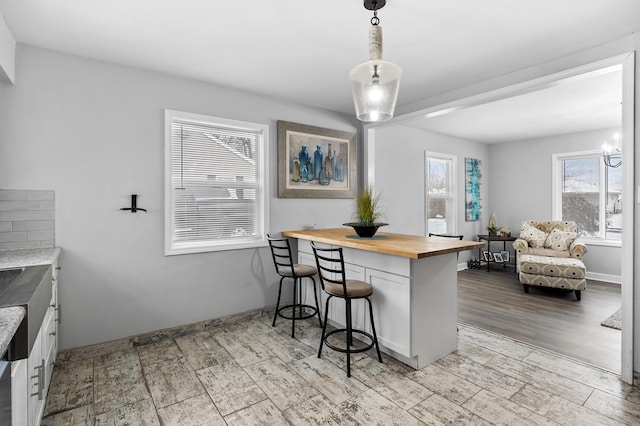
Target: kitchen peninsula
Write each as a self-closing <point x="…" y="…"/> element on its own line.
<point x="415" y="288"/>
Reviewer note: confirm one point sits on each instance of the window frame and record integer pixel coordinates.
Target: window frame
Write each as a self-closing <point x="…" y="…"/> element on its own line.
<point x="262" y="185"/>
<point x="453" y="186"/>
<point x="556" y="205"/>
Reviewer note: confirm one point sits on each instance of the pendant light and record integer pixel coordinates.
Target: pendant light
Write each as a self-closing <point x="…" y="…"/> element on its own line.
<point x="375" y="83"/>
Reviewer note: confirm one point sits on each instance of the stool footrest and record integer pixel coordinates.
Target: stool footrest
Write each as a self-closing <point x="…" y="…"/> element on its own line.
<point x="296" y="312"/>
<point x="344" y="350"/>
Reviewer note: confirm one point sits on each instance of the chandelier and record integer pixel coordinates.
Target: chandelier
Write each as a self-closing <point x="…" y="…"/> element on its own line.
<point x="375" y="83"/>
<point x="607" y="152"/>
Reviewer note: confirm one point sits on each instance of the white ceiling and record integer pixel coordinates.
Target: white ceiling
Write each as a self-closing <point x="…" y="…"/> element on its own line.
<point x="302" y="51"/>
<point x="586" y="102"/>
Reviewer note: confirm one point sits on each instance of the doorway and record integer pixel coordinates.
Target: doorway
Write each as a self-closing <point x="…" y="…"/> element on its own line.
<point x="413" y="123"/>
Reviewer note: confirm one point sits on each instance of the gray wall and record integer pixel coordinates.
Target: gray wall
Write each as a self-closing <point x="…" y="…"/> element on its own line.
<point x="399" y="169"/>
<point x="520" y="187"/>
<point x="93" y="132"/>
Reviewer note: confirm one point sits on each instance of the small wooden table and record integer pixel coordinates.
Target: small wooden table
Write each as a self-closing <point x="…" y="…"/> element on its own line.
<point x="489" y="239"/>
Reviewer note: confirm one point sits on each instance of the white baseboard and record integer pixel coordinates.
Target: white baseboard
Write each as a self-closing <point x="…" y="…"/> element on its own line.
<point x="604" y="277"/>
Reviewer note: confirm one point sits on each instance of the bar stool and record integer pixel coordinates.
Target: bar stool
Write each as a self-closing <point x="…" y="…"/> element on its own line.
<point x="330" y="265"/>
<point x="283" y="261"/>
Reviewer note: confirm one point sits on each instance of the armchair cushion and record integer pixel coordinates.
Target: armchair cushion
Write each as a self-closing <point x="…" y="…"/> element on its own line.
<point x="560" y="240"/>
<point x="533" y="236"/>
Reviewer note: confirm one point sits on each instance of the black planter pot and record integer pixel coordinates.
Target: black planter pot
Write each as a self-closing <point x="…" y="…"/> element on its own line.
<point x="363" y="230"/>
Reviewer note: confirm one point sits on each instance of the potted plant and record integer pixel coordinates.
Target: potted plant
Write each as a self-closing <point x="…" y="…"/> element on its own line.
<point x="367" y="214"/>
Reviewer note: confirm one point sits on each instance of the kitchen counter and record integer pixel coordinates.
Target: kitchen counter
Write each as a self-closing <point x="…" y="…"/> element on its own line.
<point x="414" y="279"/>
<point x="10" y="319"/>
<point x="28" y="257"/>
<point x="411" y="246"/>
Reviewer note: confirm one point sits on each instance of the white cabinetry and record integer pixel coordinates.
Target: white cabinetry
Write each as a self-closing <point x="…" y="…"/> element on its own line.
<point x="30" y="377"/>
<point x="411" y="302"/>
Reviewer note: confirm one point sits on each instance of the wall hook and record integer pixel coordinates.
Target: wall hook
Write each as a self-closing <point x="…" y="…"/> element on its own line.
<point x="134" y="207"/>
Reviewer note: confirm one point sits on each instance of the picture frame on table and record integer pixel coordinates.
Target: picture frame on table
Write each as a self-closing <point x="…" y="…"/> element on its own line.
<point x="497" y="257"/>
<point x="314" y="162"/>
<point x="487" y="256"/>
<point x="505" y="255"/>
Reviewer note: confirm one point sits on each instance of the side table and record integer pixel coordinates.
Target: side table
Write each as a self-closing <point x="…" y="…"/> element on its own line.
<point x="489" y="240"/>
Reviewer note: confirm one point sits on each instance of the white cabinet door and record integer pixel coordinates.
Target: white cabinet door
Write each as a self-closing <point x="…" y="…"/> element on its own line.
<point x="391" y="299"/>
<point x="36" y="381"/>
<point x="20" y="392"/>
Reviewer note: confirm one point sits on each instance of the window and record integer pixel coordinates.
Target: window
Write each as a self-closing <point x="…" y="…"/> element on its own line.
<point x="215" y="183"/>
<point x="440" y="193"/>
<point x="589" y="193"/>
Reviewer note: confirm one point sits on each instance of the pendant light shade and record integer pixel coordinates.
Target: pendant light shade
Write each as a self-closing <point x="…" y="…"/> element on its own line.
<point x="375" y="86"/>
<point x="375" y="83"/>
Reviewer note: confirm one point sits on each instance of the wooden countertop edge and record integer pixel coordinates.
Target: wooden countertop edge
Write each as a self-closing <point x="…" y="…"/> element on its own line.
<point x="337" y="236"/>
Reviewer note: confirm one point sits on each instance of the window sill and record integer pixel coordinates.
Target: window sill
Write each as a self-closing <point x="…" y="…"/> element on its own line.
<point x="194" y="249"/>
<point x="601" y="242"/>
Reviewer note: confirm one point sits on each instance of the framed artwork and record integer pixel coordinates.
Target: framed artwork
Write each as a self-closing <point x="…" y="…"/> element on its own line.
<point x="314" y="162"/>
<point x="473" y="179"/>
<point x="487" y="255"/>
<point x="505" y="255"/>
<point x="497" y="257"/>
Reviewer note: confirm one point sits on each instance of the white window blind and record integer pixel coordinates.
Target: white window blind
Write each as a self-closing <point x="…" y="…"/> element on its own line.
<point x="215" y="185"/>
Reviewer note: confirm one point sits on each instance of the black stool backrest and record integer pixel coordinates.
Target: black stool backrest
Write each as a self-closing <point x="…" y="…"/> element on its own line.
<point x="458" y="237"/>
<point x="281" y="253"/>
<point x="330" y="263"/>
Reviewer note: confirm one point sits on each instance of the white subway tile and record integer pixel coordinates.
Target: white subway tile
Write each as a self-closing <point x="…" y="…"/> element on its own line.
<point x="39" y="235"/>
<point x="12" y="237"/>
<point x="32" y="225"/>
<point x="19" y="205"/>
<point x="6" y="226"/>
<point x="12" y="195"/>
<point x="20" y="215"/>
<point x="40" y="195"/>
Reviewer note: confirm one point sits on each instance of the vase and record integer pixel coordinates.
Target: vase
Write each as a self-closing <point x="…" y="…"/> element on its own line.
<point x="317" y="162"/>
<point x="365" y="230"/>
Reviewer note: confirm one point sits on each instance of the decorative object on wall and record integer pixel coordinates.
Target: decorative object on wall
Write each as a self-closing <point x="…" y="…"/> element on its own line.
<point x="375" y="83"/>
<point x="314" y="162"/>
<point x="134" y="205"/>
<point x="607" y="152"/>
<point x="473" y="178"/>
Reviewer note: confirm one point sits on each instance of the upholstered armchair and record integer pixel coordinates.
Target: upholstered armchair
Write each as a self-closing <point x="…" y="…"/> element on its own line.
<point x="549" y="253"/>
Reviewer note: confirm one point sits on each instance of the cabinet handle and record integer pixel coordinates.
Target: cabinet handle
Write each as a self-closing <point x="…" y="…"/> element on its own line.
<point x="59" y="316"/>
<point x="53" y="333"/>
<point x="40" y="377"/>
<point x="53" y="305"/>
<point x="59" y="268"/>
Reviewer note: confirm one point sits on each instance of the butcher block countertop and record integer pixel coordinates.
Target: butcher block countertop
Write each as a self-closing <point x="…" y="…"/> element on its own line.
<point x="411" y="246"/>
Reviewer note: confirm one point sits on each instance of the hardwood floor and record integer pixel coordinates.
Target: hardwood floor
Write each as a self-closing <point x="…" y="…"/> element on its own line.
<point x="554" y="320"/>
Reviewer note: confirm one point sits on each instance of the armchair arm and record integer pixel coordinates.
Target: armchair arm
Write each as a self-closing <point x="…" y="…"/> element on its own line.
<point x="520" y="245"/>
<point x="577" y="248"/>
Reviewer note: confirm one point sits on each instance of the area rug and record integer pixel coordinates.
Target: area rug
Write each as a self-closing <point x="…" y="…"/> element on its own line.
<point x="614" y="321"/>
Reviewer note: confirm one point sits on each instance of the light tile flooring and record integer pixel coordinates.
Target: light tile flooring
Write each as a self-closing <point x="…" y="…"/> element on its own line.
<point x="249" y="373"/>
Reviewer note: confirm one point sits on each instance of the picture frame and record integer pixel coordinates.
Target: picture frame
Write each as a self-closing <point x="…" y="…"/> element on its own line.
<point x="505" y="255"/>
<point x="314" y="162"/>
<point x="487" y="256"/>
<point x="497" y="257"/>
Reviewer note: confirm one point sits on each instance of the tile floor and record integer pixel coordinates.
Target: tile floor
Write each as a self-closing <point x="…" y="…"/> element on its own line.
<point x="249" y="373"/>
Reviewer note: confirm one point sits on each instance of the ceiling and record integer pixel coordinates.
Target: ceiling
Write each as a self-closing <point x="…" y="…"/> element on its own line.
<point x="302" y="51"/>
<point x="590" y="101"/>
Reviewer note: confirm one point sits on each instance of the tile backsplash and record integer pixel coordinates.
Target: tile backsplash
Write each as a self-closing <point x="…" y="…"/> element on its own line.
<point x="27" y="219"/>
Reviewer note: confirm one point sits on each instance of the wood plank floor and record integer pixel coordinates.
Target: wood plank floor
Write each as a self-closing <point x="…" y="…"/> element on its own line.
<point x="554" y="320"/>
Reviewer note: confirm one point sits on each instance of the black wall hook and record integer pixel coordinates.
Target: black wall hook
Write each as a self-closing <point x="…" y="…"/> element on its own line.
<point x="134" y="205"/>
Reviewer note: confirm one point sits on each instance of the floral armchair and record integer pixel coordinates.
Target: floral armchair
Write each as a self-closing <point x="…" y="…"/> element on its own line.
<point x="549" y="253"/>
